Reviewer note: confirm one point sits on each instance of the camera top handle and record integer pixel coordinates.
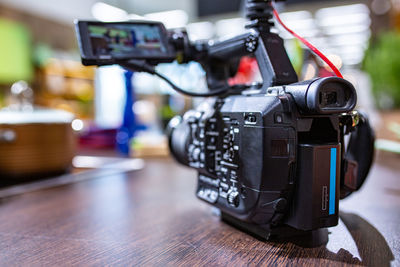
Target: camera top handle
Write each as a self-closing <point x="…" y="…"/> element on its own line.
<point x="268" y="49"/>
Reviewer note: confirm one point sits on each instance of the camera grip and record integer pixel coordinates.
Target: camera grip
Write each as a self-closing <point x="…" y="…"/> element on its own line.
<point x="358" y="158"/>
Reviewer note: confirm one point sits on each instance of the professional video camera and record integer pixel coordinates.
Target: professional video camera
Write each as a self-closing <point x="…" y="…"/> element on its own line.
<point x="271" y="156"/>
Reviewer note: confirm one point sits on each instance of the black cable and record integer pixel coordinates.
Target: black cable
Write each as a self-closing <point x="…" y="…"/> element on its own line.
<point x="214" y="92"/>
<point x="142" y="66"/>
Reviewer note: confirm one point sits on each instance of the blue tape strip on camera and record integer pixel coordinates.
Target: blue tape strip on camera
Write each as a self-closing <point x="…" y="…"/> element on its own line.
<point x="332" y="185"/>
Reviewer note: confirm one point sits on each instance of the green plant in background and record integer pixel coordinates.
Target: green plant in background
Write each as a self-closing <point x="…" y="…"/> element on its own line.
<point x="15" y="52"/>
<point x="382" y="63"/>
<point x="2" y="99"/>
<point x="42" y="52"/>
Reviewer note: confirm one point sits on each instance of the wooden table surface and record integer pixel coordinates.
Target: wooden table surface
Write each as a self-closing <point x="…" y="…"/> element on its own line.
<point x="152" y="217"/>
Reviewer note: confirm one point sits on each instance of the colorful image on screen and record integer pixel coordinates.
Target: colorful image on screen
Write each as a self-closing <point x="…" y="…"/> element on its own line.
<point x="118" y="41"/>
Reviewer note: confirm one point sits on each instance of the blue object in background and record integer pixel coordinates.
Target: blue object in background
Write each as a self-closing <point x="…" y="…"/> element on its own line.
<point x="128" y="127"/>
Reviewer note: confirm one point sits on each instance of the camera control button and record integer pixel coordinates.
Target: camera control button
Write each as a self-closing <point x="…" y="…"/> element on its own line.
<point x="224" y="186"/>
<point x="233" y="198"/>
<point x="196" y="153"/>
<point x="208" y="195"/>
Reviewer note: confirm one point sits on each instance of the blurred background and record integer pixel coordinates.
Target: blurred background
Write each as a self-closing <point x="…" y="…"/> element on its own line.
<point x="44" y="89"/>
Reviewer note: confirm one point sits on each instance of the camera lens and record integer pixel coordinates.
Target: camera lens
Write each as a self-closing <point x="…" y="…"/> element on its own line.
<point x="178" y="132"/>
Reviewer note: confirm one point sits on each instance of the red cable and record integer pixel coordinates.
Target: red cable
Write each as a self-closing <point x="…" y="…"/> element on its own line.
<point x="309" y="45"/>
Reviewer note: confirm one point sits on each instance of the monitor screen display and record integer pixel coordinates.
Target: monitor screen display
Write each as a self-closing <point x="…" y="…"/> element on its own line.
<point x="121" y="40"/>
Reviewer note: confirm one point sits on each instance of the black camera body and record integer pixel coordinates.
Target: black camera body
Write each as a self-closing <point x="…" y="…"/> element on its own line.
<point x="265" y="158"/>
<point x="271" y="156"/>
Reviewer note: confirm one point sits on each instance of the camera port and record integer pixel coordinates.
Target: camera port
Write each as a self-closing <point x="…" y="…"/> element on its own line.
<point x="250" y="119"/>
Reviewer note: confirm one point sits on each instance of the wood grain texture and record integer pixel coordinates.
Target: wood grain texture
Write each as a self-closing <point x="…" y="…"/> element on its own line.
<point x="151" y="217"/>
